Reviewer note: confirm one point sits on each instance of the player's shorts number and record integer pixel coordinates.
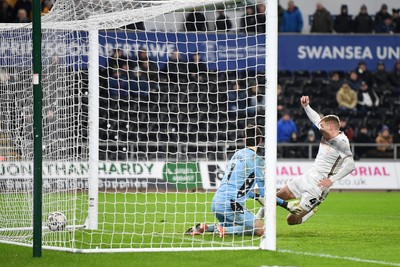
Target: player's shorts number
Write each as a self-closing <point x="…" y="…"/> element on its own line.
<point x="313" y="201"/>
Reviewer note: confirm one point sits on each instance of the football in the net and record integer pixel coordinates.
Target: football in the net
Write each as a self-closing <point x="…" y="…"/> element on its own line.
<point x="56" y="221"/>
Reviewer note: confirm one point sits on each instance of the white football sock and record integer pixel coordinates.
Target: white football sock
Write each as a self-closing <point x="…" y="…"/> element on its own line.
<point x="307" y="216"/>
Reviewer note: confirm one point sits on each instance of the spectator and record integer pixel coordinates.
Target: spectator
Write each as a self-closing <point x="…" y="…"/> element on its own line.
<point x="261" y="17"/>
<point x="176" y="68"/>
<point x="396" y="136"/>
<point x="249" y="21"/>
<point x="138" y="83"/>
<point x="281" y="98"/>
<point x="142" y="56"/>
<point x="363" y="137"/>
<point x="322" y="20"/>
<point x="386" y="27"/>
<point x="196" y="21"/>
<point x="292" y="19"/>
<point x="118" y="84"/>
<point x="346" y="99"/>
<point x="149" y="68"/>
<point x="197" y="69"/>
<point x="47" y="5"/>
<point x="363" y="73"/>
<point x="311" y="139"/>
<point x="286" y="126"/>
<point x="367" y="99"/>
<point x="281" y="10"/>
<point x="116" y="61"/>
<point x="256" y="101"/>
<point x="237" y="101"/>
<point x="354" y="81"/>
<point x="396" y="128"/>
<point x="6" y="12"/>
<point x="222" y="22"/>
<point x="396" y="20"/>
<point x="380" y="18"/>
<point x="146" y="65"/>
<point x="394" y="77"/>
<point x="23" y="4"/>
<point x="343" y="22"/>
<point x="363" y="22"/>
<point x="334" y="83"/>
<point x="293" y="151"/>
<point x="385" y="141"/>
<point x="381" y="77"/>
<point x="22" y="16"/>
<point x="346" y="129"/>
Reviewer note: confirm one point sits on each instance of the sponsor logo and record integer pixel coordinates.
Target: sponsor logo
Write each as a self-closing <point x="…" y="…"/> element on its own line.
<point x="184" y="175"/>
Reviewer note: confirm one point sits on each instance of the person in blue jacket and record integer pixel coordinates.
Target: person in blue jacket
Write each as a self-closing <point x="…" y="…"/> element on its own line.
<point x="292" y="19"/>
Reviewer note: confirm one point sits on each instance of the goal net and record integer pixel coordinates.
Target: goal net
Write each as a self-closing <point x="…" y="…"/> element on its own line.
<point x="144" y="103"/>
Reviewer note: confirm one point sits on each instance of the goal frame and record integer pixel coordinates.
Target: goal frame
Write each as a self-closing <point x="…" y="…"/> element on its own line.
<point x="269" y="240"/>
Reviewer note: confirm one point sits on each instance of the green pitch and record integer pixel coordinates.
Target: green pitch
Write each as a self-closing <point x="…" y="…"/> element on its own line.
<point x="350" y="229"/>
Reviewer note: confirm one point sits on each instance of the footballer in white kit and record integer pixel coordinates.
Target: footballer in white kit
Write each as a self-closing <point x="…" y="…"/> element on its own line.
<point x="333" y="162"/>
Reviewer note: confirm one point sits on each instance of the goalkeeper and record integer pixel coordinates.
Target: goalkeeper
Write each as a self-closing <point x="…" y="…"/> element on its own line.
<point x="244" y="171"/>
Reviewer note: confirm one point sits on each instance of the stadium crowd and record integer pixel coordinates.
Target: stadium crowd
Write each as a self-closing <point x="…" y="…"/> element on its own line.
<point x="254" y="19"/>
<point x="367" y="101"/>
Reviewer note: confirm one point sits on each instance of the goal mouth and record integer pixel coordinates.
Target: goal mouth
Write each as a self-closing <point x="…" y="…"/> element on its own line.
<point x="144" y="104"/>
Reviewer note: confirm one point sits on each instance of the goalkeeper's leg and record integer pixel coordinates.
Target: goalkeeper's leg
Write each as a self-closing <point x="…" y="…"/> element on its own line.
<point x="239" y="223"/>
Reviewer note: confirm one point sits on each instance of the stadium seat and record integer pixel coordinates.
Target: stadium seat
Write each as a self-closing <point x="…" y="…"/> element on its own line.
<point x="293" y="89"/>
<point x="284" y="77"/>
<point x="319" y="76"/>
<point x="342" y="74"/>
<point x="312" y="88"/>
<point x="302" y="76"/>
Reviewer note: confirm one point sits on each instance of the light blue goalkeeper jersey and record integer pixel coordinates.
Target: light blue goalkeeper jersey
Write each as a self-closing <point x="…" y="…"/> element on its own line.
<point x="244" y="171"/>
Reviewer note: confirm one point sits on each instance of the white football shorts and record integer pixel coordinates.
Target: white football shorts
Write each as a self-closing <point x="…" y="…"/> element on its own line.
<point x="306" y="187"/>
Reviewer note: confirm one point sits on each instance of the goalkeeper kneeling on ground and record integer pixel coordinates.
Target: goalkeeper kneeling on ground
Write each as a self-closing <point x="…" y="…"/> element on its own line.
<point x="244" y="171"/>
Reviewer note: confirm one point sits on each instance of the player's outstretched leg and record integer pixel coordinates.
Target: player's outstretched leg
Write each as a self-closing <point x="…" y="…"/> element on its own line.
<point x="302" y="216"/>
<point x="309" y="214"/>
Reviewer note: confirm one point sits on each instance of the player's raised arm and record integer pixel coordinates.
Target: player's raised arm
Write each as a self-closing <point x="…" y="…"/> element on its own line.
<point x="312" y="114"/>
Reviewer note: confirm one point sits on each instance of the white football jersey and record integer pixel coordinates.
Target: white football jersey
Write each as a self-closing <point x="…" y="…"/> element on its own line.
<point x="331" y="154"/>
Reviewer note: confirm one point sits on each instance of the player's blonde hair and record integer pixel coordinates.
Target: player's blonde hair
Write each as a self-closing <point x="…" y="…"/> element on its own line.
<point x="332" y="119"/>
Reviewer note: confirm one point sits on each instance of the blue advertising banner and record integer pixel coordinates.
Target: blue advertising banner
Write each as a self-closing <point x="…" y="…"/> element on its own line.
<point x="336" y="52"/>
<point x="220" y="51"/>
<point x="247" y="52"/>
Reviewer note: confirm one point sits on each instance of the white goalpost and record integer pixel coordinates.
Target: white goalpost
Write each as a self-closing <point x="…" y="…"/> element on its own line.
<point x="144" y="103"/>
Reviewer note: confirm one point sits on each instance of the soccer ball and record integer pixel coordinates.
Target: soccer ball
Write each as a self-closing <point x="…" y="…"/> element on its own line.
<point x="56" y="221"/>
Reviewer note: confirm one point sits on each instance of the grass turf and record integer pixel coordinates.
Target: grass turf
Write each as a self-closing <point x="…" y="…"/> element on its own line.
<point x="350" y="229"/>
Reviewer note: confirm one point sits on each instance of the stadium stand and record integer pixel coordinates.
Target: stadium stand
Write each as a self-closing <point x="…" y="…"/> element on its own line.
<point x="152" y="129"/>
